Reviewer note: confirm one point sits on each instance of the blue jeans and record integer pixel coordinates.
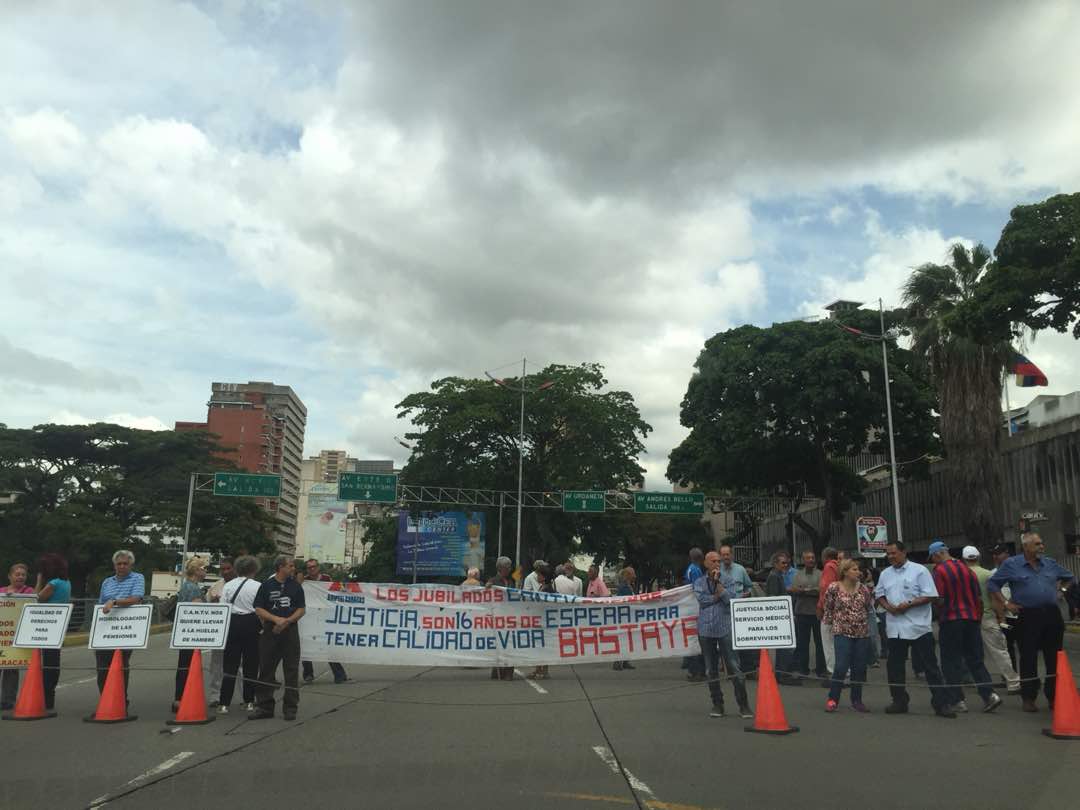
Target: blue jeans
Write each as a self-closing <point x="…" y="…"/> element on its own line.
<point x="714" y="650"/>
<point x="851" y="654"/>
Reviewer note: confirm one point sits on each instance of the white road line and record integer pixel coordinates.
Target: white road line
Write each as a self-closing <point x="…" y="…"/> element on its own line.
<point x="612" y="762"/>
<point x="531" y="682"/>
<point x="76" y="683"/>
<point x="171" y="762"/>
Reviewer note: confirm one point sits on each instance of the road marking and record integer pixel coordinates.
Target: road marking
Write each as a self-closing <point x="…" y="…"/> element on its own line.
<point x="531" y="682"/>
<point x="612" y="762"/>
<point x="652" y="804"/>
<point x="171" y="762"/>
<point x="76" y="683"/>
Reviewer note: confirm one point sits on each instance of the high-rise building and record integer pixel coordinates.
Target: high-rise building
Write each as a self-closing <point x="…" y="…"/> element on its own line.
<point x="331" y="463"/>
<point x="261" y="429"/>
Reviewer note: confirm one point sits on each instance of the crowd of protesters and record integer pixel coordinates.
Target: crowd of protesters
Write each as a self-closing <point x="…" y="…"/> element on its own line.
<point x="847" y="613"/>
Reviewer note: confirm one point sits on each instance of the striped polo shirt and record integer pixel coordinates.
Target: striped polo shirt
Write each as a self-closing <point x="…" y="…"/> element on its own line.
<point x="958" y="587"/>
<point x="131" y="585"/>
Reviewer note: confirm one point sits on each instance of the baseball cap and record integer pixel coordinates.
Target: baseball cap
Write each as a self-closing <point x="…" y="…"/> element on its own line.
<point x="971" y="553"/>
<point x="937" y="546"/>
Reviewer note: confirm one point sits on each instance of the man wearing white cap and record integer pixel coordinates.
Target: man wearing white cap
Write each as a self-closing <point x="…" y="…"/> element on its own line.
<point x="958" y="628"/>
<point x="993" y="637"/>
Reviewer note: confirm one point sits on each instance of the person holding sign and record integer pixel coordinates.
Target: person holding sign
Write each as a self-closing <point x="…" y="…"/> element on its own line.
<point x="714" y="593"/>
<point x="279" y="604"/>
<point x="54" y="588"/>
<point x="190" y="591"/>
<point x="9" y="678"/>
<point x="123" y="589"/>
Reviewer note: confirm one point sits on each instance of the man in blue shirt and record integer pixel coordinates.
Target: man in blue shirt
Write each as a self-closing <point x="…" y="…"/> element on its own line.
<point x="694" y="664"/>
<point x="123" y="589"/>
<point x="1035" y="582"/>
<point x="714" y="593"/>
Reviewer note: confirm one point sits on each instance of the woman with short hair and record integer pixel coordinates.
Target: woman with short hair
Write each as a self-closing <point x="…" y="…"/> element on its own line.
<point x="242" y="644"/>
<point x="847" y="607"/>
<point x="9" y="678"/>
<point x="190" y="591"/>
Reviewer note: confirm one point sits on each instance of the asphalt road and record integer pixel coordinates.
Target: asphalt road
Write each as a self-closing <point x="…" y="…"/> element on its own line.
<point x="592" y="738"/>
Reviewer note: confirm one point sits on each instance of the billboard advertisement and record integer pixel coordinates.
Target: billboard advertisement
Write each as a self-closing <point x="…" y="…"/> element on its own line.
<point x="446" y="544"/>
<point x="325" y="524"/>
<point x="873" y="535"/>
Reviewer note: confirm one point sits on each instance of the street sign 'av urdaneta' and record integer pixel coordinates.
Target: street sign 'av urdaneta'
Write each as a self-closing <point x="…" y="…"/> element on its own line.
<point x="669" y="503"/>
<point x="372" y="487"/>
<point x="247" y="485"/>
<point x="583" y="501"/>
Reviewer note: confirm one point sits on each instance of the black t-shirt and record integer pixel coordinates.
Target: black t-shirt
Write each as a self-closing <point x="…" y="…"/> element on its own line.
<point x="280" y="598"/>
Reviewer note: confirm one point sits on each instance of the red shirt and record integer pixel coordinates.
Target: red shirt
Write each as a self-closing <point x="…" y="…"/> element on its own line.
<point x="958" y="587"/>
<point x="828" y="577"/>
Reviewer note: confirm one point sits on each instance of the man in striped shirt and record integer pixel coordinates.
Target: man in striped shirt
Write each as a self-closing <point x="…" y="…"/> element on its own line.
<point x="960" y="628"/>
<point x="122" y="590"/>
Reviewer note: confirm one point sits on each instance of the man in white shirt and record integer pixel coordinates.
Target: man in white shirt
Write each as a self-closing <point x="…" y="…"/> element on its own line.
<point x="566" y="582"/>
<point x="906" y="591"/>
<point x="532" y="581"/>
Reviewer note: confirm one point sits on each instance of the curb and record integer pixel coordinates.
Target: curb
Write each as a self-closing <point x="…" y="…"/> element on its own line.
<point x="80" y="639"/>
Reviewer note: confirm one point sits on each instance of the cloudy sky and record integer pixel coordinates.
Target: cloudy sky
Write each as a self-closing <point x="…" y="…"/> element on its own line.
<point x="354" y="199"/>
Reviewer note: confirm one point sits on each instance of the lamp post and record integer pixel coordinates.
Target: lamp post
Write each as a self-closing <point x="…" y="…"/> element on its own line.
<point x="885" y="337"/>
<point x="416" y="535"/>
<point x="523" y="390"/>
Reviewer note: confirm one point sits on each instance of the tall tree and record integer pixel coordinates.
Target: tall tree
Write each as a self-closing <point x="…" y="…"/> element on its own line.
<point x="782" y="410"/>
<point x="1034" y="282"/>
<point x="967" y="373"/>
<point x="578" y="435"/>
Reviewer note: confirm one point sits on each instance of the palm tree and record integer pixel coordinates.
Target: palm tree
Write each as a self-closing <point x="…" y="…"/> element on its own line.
<point x="968" y="376"/>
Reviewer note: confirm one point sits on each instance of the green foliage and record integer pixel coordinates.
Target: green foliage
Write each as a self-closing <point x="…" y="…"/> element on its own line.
<point x="379" y="565"/>
<point x="1035" y="281"/>
<point x="86" y="490"/>
<point x="781" y="409"/>
<point x="577" y="436"/>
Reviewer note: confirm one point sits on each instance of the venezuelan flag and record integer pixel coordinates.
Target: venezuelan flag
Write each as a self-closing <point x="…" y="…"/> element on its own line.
<point x="1027" y="373"/>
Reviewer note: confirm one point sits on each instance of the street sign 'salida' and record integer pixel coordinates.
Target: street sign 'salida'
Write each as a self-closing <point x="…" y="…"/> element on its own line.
<point x="244" y="485"/>
<point x="371" y="487"/>
<point x="583" y="501"/>
<point x="669" y="503"/>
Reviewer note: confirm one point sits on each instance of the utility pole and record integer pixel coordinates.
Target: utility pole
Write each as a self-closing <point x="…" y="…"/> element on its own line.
<point x="888" y="410"/>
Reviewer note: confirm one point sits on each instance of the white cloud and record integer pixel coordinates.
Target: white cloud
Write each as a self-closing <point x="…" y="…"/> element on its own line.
<point x="66" y="417"/>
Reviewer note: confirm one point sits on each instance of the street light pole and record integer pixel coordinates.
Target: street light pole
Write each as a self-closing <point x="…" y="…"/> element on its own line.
<point x="888" y="410"/>
<point x="521" y="464"/>
<point x="187" y="521"/>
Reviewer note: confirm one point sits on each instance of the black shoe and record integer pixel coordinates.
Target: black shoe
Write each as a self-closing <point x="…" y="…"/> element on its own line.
<point x="896" y="708"/>
<point x="946" y="712"/>
<point x="290" y="716"/>
<point x="628" y="665"/>
<point x="261" y="714"/>
<point x="717" y="710"/>
<point x="309" y="678"/>
<point x="617" y="665"/>
<point x="340" y="680"/>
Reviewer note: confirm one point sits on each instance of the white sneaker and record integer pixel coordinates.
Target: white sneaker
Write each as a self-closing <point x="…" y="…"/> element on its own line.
<point x="222" y="709"/>
<point x="992" y="703"/>
<point x="960" y="707"/>
<point x="250" y="707"/>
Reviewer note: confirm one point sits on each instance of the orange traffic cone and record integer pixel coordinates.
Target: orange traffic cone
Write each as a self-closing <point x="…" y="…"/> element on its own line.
<point x="193" y="702"/>
<point x="1066" y="722"/>
<point x="112" y="706"/>
<point x="769" y="715"/>
<point x="31" y="702"/>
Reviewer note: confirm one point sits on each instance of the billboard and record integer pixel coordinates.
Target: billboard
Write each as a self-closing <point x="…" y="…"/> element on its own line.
<point x="873" y="535"/>
<point x="325" y="524"/>
<point x="446" y="544"/>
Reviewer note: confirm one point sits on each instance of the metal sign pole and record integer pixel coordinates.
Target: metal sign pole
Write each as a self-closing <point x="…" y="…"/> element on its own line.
<point x="187" y="521"/>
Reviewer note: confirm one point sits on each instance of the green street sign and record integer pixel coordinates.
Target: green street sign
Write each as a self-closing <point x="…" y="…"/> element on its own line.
<point x="583" y="501"/>
<point x="367" y="487"/>
<point x="243" y="485"/>
<point x="669" y="503"/>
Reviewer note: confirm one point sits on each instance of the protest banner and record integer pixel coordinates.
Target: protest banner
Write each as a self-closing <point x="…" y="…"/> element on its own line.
<point x="43" y="626"/>
<point x="454" y="626"/>
<point x="200" y="626"/>
<point x="11" y="608"/>
<point x="762" y="623"/>
<point x="122" y="628"/>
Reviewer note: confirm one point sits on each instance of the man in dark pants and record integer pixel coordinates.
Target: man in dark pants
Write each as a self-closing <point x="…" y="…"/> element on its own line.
<point x="906" y="590"/>
<point x="804" y="590"/>
<point x="960" y="626"/>
<point x="124" y="589"/>
<point x="279" y="604"/>
<point x="313" y="573"/>
<point x="694" y="664"/>
<point x="999" y="555"/>
<point x="774" y="586"/>
<point x="1035" y="583"/>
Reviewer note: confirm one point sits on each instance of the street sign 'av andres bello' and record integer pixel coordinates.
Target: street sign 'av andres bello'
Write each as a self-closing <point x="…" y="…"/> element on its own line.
<point x="669" y="503"/>
<point x="370" y="487"/>
<point x="245" y="485"/>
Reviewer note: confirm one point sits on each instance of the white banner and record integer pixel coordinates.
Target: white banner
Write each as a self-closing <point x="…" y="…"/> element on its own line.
<point x="202" y="626"/>
<point x="43" y="626"/>
<point x="122" y="628"/>
<point x="454" y="626"/>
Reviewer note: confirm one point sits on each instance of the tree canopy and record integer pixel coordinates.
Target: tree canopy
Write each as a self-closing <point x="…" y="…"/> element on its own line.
<point x="86" y="490"/>
<point x="578" y="435"/>
<point x="783" y="409"/>
<point x="1034" y="282"/>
